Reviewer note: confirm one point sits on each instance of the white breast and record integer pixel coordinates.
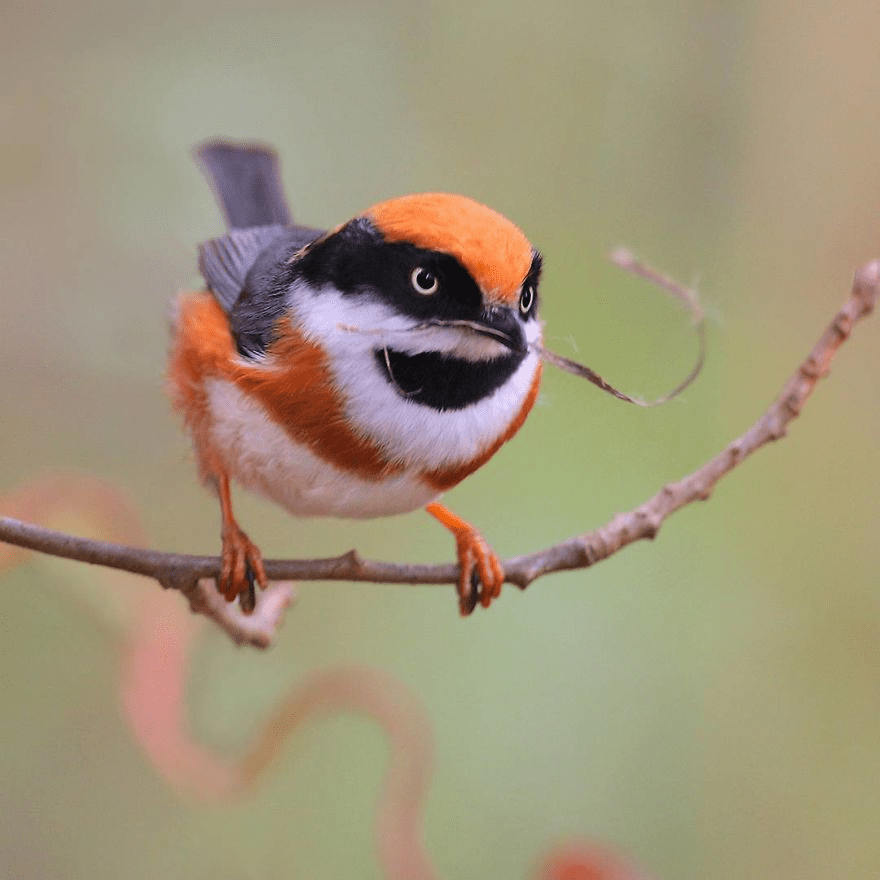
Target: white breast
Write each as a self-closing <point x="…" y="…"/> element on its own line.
<point x="265" y="459"/>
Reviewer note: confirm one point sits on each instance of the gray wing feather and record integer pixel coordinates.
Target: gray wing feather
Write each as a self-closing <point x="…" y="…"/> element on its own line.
<point x="224" y="262"/>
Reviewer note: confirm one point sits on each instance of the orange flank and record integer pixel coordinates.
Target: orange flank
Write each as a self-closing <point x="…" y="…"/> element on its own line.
<point x="293" y="386"/>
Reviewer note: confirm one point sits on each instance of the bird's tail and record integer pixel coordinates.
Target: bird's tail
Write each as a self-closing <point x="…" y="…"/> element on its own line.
<point x="246" y="180"/>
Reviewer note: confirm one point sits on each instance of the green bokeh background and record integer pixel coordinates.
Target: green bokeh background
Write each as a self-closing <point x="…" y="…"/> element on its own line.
<point x="708" y="703"/>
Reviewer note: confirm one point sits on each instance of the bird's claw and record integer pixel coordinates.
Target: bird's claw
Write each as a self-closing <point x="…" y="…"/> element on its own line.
<point x="481" y="574"/>
<point x="241" y="565"/>
<point x="480" y="571"/>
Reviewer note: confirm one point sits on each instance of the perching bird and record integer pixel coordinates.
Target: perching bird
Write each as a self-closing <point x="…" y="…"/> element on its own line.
<point x="359" y="372"/>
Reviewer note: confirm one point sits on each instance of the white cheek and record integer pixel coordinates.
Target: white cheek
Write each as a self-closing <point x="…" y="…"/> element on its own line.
<point x="340" y="322"/>
<point x="533" y="331"/>
<point x="350" y="322"/>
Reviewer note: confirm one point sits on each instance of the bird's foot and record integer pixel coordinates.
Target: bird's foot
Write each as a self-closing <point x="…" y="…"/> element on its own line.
<point x="241" y="566"/>
<point x="481" y="573"/>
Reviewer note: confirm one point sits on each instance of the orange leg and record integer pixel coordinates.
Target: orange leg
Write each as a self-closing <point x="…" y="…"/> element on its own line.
<point x="242" y="562"/>
<point x="481" y="574"/>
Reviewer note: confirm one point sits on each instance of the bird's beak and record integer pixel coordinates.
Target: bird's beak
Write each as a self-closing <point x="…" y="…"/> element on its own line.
<point x="500" y="324"/>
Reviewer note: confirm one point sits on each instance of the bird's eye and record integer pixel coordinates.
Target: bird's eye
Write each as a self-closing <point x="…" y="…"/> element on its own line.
<point x="526" y="299"/>
<point x="424" y="281"/>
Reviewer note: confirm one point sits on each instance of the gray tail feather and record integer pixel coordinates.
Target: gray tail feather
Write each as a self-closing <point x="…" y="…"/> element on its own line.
<point x="247" y="182"/>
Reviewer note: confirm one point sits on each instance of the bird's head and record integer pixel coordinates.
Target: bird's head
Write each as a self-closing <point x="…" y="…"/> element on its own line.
<point x="440" y="289"/>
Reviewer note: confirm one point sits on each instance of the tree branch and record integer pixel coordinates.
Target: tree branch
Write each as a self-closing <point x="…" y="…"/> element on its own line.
<point x="191" y="574"/>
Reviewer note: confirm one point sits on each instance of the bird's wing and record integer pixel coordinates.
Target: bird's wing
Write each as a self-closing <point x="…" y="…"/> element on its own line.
<point x="249" y="272"/>
<point x="225" y="262"/>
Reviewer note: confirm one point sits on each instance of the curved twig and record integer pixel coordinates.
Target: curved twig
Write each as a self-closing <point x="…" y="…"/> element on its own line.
<point x="185" y="572"/>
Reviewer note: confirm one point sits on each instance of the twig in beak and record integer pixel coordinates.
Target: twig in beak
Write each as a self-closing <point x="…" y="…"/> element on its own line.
<point x="623" y="258"/>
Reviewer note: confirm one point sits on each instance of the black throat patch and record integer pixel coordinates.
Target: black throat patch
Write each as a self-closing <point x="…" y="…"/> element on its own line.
<point x="443" y="382"/>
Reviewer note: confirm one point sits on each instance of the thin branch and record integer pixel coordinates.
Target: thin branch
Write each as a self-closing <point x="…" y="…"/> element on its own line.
<point x="191" y="574"/>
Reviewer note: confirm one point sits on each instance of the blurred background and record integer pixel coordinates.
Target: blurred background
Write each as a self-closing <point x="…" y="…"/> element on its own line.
<point x="708" y="703"/>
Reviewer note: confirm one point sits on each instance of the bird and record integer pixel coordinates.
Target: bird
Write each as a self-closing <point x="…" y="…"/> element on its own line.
<point x="355" y="372"/>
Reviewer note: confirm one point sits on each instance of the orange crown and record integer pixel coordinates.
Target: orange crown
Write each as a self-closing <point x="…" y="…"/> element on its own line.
<point x="491" y="248"/>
